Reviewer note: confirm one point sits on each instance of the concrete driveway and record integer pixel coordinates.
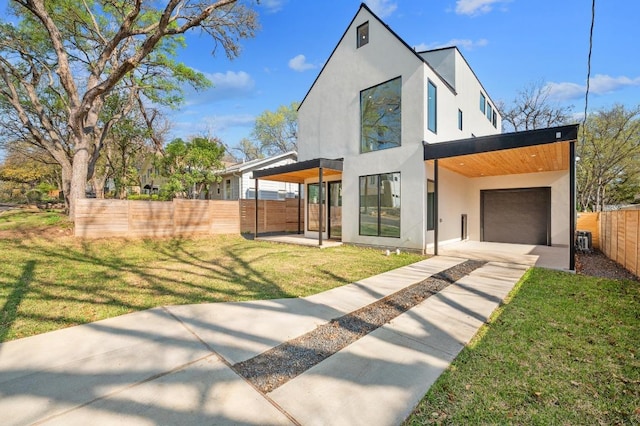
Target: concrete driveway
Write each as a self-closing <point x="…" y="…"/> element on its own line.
<point x="174" y="365"/>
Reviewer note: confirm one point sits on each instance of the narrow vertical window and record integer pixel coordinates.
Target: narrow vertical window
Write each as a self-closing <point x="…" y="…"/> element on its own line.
<point x="432" y="107"/>
<point x="363" y="35"/>
<point x="483" y="103"/>
<point x="431" y="196"/>
<point x="489" y="112"/>
<point x="459" y="120"/>
<point x="495" y="119"/>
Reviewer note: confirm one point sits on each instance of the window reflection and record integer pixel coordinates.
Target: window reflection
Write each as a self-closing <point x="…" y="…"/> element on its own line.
<point x="380" y="116"/>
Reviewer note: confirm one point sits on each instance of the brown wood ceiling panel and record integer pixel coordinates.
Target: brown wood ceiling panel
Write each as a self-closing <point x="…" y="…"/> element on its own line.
<point x="532" y="159"/>
<point x="301" y="175"/>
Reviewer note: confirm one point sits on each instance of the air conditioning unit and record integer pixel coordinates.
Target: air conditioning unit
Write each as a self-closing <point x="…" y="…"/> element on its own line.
<point x="584" y="241"/>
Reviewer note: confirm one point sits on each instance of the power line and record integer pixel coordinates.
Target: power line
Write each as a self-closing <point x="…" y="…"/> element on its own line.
<point x="586" y="94"/>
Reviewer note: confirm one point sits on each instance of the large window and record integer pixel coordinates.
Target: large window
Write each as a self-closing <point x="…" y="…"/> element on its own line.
<point x="432" y="107"/>
<point x="380" y="205"/>
<point x="363" y="35"/>
<point x="380" y="116"/>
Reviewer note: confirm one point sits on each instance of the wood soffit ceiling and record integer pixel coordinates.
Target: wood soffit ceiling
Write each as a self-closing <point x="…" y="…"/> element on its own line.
<point x="299" y="176"/>
<point x="531" y="159"/>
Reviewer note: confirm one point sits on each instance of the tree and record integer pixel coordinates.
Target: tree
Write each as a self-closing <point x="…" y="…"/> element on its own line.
<point x="249" y="150"/>
<point x="191" y="166"/>
<point x="277" y="131"/>
<point x="608" y="171"/>
<point x="532" y="109"/>
<point x="64" y="59"/>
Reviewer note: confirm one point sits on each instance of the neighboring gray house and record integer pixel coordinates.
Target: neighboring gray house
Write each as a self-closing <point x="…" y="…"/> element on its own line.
<point x="237" y="182"/>
<point x="405" y="150"/>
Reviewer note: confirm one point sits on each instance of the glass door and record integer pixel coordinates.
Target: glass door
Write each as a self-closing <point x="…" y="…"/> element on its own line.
<point x="335" y="210"/>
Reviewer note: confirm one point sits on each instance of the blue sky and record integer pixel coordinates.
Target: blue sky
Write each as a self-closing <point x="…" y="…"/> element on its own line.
<point x="508" y="43"/>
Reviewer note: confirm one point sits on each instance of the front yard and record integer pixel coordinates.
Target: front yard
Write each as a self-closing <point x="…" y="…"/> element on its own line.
<point x="50" y="280"/>
<point x="565" y="350"/>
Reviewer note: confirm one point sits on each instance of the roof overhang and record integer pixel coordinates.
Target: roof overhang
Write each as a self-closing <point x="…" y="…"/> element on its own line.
<point x="299" y="172"/>
<point x="531" y="151"/>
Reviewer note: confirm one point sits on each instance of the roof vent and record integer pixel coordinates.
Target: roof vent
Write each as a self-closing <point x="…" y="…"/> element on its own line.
<point x="558" y="135"/>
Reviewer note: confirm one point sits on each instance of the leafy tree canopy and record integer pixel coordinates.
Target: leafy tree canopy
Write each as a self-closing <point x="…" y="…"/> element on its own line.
<point x="191" y="166"/>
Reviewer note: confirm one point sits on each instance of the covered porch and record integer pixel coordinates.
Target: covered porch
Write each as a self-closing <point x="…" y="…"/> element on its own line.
<point x="512" y="188"/>
<point x="319" y="220"/>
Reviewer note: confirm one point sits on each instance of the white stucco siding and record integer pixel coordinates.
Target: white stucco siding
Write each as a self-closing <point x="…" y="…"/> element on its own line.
<point x="560" y="191"/>
<point x="329" y="124"/>
<point x="460" y="195"/>
<point x="469" y="88"/>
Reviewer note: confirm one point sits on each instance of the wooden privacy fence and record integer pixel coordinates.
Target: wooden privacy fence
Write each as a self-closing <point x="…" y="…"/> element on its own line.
<point x="590" y="221"/>
<point x="273" y="216"/>
<point x="128" y="218"/>
<point x="620" y="236"/>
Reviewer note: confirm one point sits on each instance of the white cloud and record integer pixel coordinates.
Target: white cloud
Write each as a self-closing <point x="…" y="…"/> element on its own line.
<point x="272" y="6"/>
<point x="463" y="44"/>
<point x="600" y="84"/>
<point x="300" y="64"/>
<point x="476" y="7"/>
<point x="382" y="8"/>
<point x="231" y="80"/>
<point x="228" y="85"/>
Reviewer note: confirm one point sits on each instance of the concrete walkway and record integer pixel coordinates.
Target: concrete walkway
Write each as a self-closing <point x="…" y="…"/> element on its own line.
<point x="172" y="365"/>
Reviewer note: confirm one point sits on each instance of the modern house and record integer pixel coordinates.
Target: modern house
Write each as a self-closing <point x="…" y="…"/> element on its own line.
<point x="399" y="148"/>
<point x="237" y="182"/>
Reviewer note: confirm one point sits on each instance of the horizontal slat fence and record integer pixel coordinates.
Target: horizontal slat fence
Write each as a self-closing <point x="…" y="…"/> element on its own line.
<point x="590" y="221"/>
<point x="273" y="215"/>
<point x="97" y="218"/>
<point x="620" y="237"/>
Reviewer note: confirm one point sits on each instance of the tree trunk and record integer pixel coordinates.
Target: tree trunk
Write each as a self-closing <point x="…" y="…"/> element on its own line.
<point x="78" y="179"/>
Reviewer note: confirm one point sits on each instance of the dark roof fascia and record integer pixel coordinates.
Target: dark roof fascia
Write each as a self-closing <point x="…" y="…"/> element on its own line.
<point x="499" y="142"/>
<point x="364" y="6"/>
<point x="325" y="163"/>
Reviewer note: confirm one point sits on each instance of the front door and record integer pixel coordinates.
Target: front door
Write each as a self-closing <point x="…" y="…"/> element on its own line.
<point x="335" y="210"/>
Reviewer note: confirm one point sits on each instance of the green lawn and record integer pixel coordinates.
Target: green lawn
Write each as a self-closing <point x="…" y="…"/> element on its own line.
<point x="50" y="280"/>
<point x="565" y="350"/>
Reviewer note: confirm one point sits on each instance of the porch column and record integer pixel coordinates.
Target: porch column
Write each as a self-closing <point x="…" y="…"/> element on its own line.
<point x="299" y="206"/>
<point x="572" y="206"/>
<point x="255" y="234"/>
<point x="321" y="207"/>
<point x="436" y="215"/>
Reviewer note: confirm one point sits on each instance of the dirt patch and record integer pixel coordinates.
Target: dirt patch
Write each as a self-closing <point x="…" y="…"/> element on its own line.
<point x="596" y="264"/>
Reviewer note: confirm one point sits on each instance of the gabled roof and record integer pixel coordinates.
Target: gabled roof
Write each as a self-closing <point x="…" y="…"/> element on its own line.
<point x="409" y="48"/>
<point x="259" y="163"/>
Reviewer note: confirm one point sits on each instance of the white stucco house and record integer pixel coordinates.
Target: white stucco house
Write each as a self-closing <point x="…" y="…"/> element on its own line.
<point x="405" y="150"/>
<point x="237" y="182"/>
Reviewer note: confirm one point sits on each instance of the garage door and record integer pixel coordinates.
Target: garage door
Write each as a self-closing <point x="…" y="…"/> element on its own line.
<point x="519" y="216"/>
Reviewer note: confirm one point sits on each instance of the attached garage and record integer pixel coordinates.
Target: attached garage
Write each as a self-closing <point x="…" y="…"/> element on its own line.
<point x="517" y="216"/>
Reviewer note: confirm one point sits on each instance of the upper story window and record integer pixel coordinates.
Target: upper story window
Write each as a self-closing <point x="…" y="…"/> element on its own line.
<point x="495" y="119"/>
<point x="489" y="112"/>
<point x="432" y="107"/>
<point x="380" y="117"/>
<point x="363" y="34"/>
<point x="483" y="103"/>
<point x="459" y="119"/>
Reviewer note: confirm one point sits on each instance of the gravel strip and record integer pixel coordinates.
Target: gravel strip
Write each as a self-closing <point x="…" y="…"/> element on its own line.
<point x="597" y="264"/>
<point x="277" y="366"/>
